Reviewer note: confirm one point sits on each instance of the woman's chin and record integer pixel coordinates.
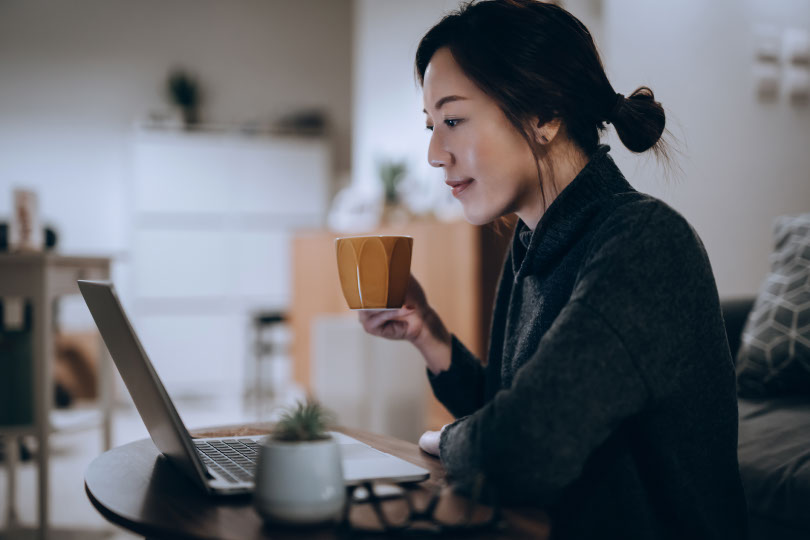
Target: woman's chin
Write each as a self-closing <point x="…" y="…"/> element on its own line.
<point x="478" y="218"/>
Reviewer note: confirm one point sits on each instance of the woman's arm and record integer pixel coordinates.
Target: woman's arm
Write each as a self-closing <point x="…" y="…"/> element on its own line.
<point x="465" y="387"/>
<point x="460" y="388"/>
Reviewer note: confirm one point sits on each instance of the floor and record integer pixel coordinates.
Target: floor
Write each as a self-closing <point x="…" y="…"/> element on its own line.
<point x="72" y="515"/>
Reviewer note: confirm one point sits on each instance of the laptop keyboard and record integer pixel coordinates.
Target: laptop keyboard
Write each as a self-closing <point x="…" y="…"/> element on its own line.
<point x="232" y="459"/>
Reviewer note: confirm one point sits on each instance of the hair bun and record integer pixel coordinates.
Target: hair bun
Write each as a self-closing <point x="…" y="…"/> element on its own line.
<point x="617" y="105"/>
<point x="639" y="119"/>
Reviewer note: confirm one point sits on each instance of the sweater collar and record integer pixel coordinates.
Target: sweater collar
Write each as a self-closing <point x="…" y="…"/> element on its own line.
<point x="567" y="216"/>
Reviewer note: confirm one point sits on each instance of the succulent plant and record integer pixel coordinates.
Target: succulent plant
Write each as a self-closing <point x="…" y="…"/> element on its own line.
<point x="391" y="173"/>
<point x="183" y="90"/>
<point x="306" y="421"/>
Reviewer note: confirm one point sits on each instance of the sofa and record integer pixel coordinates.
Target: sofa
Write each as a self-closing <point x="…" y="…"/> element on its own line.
<point x="773" y="450"/>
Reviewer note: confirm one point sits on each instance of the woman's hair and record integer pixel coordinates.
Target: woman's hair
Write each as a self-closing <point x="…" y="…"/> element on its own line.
<point x="537" y="60"/>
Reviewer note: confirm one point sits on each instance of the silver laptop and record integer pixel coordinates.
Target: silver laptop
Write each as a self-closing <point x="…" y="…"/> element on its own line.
<point x="221" y="466"/>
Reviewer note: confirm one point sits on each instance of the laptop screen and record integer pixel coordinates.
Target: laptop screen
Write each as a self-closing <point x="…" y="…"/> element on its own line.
<point x="147" y="391"/>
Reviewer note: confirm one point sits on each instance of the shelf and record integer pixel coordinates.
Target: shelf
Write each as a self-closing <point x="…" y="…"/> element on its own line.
<point x="227" y="221"/>
<point x="187" y="305"/>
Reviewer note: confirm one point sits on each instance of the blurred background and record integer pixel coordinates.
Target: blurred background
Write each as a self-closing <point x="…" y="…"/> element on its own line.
<point x="205" y="154"/>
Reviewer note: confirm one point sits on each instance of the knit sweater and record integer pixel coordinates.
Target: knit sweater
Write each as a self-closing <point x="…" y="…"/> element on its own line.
<point x="608" y="397"/>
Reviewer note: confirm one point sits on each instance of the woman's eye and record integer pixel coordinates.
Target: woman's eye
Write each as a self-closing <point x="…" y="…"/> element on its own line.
<point x="449" y="122"/>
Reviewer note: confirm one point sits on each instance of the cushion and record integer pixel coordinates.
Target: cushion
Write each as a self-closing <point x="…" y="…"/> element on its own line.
<point x="774" y="454"/>
<point x="735" y="315"/>
<point x="774" y="357"/>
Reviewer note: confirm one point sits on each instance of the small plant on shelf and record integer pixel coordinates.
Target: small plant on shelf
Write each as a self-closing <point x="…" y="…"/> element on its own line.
<point x="392" y="172"/>
<point x="183" y="90"/>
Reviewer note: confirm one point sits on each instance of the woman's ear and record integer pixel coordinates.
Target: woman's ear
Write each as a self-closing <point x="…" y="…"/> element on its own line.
<point x="545" y="132"/>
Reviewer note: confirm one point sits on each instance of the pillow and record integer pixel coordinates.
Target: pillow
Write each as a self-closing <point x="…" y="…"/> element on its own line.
<point x="774" y="357"/>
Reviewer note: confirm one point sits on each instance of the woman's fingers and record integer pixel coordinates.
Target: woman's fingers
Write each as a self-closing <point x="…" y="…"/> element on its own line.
<point x="372" y="320"/>
<point x="392" y="324"/>
<point x="393" y="329"/>
<point x="429" y="441"/>
<point x="369" y="314"/>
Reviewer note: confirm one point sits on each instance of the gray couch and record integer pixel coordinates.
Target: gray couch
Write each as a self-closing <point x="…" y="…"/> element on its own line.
<point x="774" y="452"/>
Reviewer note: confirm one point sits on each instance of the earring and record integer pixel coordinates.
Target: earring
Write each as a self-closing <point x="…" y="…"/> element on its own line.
<point x="543" y="139"/>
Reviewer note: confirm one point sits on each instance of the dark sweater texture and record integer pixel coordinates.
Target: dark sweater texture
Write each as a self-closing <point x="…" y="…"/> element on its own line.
<point x="608" y="397"/>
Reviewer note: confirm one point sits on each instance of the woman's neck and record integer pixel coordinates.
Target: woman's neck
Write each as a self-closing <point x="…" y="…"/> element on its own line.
<point x="563" y="162"/>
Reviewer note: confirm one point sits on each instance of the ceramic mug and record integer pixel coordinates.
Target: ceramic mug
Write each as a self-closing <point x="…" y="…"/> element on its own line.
<point x="299" y="483"/>
<point x="374" y="270"/>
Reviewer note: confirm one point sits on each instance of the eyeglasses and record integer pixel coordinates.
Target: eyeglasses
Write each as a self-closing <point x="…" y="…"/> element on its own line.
<point x="410" y="510"/>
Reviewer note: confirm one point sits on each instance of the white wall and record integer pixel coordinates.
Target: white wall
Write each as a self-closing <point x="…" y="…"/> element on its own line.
<point x="74" y="76"/>
<point x="387" y="120"/>
<point x="743" y="162"/>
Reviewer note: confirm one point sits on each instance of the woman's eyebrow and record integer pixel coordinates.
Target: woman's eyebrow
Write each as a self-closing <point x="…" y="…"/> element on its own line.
<point x="445" y="99"/>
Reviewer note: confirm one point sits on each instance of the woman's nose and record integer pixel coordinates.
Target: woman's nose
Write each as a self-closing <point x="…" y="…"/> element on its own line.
<point x="438" y="156"/>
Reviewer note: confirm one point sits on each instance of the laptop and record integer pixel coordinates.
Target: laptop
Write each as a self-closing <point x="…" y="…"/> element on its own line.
<point x="221" y="465"/>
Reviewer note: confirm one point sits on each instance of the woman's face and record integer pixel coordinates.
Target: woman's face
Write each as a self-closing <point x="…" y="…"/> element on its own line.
<point x="486" y="161"/>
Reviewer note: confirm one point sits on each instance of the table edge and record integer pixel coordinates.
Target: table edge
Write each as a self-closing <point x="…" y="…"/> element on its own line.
<point x="129" y="526"/>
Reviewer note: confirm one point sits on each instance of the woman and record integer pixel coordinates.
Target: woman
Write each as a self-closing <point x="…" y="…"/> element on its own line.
<point x="608" y="396"/>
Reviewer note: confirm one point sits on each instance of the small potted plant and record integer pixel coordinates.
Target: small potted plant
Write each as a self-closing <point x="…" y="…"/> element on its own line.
<point x="184" y="92"/>
<point x="393" y="173"/>
<point x="299" y="474"/>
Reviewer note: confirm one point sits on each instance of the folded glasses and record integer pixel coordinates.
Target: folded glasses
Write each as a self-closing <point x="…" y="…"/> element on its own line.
<point x="410" y="510"/>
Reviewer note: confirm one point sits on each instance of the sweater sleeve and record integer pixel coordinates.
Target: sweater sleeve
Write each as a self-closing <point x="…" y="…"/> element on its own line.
<point x="607" y="355"/>
<point x="464" y="388"/>
<point x="460" y="388"/>
<point x="534" y="438"/>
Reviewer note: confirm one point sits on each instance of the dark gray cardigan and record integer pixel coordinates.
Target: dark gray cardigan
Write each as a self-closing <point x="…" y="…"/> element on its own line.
<point x="609" y="395"/>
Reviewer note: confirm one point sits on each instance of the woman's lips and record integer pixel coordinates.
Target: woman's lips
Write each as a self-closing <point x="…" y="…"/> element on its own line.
<point x="459" y="186"/>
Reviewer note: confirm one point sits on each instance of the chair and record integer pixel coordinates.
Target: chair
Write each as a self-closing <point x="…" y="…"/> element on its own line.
<point x="270" y="341"/>
<point x="35" y="281"/>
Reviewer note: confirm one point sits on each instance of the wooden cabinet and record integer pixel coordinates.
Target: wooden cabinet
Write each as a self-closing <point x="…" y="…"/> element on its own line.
<point x="458" y="265"/>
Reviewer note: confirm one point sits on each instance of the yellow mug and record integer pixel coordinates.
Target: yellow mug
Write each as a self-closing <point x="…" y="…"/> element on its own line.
<point x="374" y="270"/>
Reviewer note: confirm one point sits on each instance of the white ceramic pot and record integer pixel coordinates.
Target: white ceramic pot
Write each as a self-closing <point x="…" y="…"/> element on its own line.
<point x="299" y="482"/>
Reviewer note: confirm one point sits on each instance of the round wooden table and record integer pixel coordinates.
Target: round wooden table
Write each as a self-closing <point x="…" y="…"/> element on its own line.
<point x="134" y="487"/>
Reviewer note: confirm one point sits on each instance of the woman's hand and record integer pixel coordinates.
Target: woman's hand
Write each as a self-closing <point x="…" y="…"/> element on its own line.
<point x="406" y="323"/>
<point x="429" y="441"/>
<point x="416" y="322"/>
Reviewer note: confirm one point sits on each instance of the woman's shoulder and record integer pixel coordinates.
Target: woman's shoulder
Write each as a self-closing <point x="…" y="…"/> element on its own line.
<point x="641" y="215"/>
<point x="636" y="225"/>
